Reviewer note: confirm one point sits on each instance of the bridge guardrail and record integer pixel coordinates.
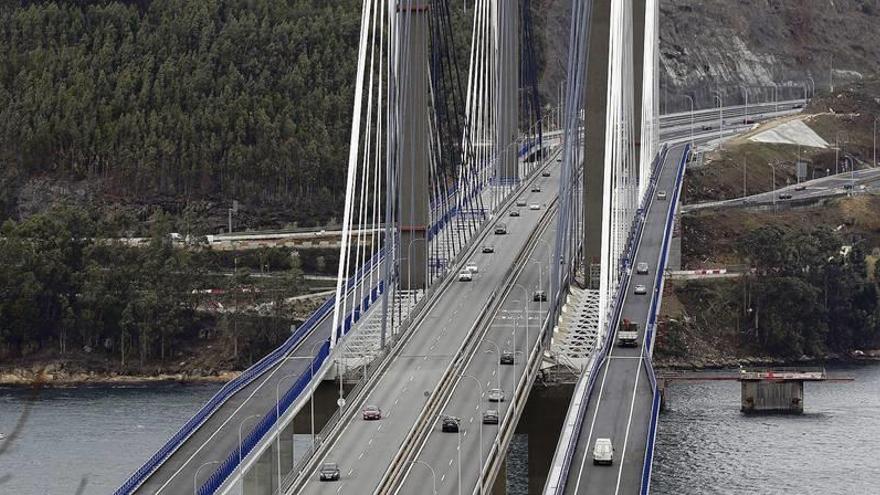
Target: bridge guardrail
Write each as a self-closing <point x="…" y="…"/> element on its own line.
<point x="650" y="328"/>
<point x="571" y="431"/>
<point x="236" y="384"/>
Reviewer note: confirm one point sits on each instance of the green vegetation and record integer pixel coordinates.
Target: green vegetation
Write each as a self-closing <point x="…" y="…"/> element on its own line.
<point x="208" y="99"/>
<point x="805" y="295"/>
<point x="66" y="286"/>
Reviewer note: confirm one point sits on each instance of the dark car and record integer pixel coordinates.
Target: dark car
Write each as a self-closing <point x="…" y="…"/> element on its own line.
<point x="451" y="424"/>
<point x="539" y="296"/>
<point x="848" y="187"/>
<point x="514" y="213"/>
<point x="536" y="189"/>
<point x="490" y="417"/>
<point x="488" y="249"/>
<point x="785" y="196"/>
<point x="506" y="358"/>
<point x="372" y="413"/>
<point x="329" y="471"/>
<point x="707" y="127"/>
<point x="545" y="173"/>
<point x="800" y="188"/>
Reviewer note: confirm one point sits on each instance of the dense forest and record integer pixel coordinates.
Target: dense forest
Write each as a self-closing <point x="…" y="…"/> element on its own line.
<point x="208" y="99"/>
<point x="67" y="287"/>
<point x="805" y="295"/>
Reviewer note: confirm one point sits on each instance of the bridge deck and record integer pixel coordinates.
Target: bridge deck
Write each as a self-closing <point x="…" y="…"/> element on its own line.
<point x="620" y="406"/>
<point x="364" y="450"/>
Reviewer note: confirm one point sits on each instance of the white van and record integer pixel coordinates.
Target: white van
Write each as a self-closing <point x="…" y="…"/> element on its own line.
<point x="603" y="452"/>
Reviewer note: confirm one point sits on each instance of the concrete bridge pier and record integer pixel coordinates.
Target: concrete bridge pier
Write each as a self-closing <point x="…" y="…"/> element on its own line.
<point x="760" y="396"/>
<point x="262" y="477"/>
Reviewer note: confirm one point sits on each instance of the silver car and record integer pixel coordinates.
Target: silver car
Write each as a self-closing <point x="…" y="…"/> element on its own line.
<point x="496" y="395"/>
<point x="640" y="290"/>
<point x="642" y="268"/>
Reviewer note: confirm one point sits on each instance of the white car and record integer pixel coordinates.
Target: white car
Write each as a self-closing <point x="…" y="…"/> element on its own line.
<point x="465" y="276"/>
<point x="603" y="452"/>
<point x="472" y="267"/>
<point x="640" y="290"/>
<point x="661" y="195"/>
<point x="496" y="395"/>
<point x="642" y="268"/>
<point x="534" y="206"/>
<point x="520" y="202"/>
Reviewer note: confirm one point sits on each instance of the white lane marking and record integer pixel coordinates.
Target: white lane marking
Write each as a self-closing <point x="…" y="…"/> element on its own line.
<point x="592" y="425"/>
<point x="443" y="478"/>
<point x="632" y="406"/>
<point x="370" y="442"/>
<point x="379" y="428"/>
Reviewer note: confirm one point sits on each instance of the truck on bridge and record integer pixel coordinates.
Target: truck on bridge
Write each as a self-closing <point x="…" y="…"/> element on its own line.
<point x="628" y="334"/>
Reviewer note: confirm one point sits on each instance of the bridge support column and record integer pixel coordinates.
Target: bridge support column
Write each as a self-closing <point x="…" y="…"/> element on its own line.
<point x="413" y="153"/>
<point x="639" y="12"/>
<point x="500" y="486"/>
<point x="763" y="396"/>
<point x="596" y="118"/>
<point x="507" y="105"/>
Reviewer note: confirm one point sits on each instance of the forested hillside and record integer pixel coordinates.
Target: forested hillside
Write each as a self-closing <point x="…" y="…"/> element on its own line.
<point x="178" y="100"/>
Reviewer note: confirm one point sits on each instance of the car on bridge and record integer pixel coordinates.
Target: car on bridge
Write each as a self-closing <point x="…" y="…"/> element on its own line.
<point x="506" y="358"/>
<point x="514" y="213"/>
<point x="472" y="267"/>
<point x="534" y="206"/>
<point x="539" y="296"/>
<point x="521" y="202"/>
<point x="545" y="173"/>
<point x="466" y="276"/>
<point x="785" y="195"/>
<point x="490" y="417"/>
<point x="500" y="229"/>
<point x="450" y="424"/>
<point x="661" y="195"/>
<point x="496" y="395"/>
<point x="603" y="452"/>
<point x="800" y="187"/>
<point x="642" y="268"/>
<point x="536" y="189"/>
<point x="372" y="413"/>
<point x="488" y="249"/>
<point x="640" y="290"/>
<point x="329" y="471"/>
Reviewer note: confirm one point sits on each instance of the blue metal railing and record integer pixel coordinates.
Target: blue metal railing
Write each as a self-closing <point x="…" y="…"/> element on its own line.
<point x="650" y="328"/>
<point x="615" y="311"/>
<point x="233" y="386"/>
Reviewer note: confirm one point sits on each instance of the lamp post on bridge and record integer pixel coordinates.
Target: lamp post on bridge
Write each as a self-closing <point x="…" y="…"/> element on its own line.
<point x="852" y="174"/>
<point x="480" y="387"/>
<point x="433" y="474"/>
<point x="196" y="476"/>
<point x="240" y="466"/>
<point x="876" y="119"/>
<point x="497" y="362"/>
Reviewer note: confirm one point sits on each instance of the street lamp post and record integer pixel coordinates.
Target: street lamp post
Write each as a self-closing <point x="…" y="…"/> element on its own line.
<point x="720" y="98"/>
<point x="433" y="475"/>
<point x="480" y="387"/>
<point x="852" y="174"/>
<point x="875" y="140"/>
<point x="497" y="362"/>
<point x="196" y="476"/>
<point x="775" y="95"/>
<point x="240" y="466"/>
<point x="746" y="93"/>
<point x="691" y="100"/>
<point x="773" y="168"/>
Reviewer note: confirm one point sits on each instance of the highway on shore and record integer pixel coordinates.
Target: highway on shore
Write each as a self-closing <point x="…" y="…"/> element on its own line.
<point x="620" y="405"/>
<point x="858" y="181"/>
<point x="364" y="450"/>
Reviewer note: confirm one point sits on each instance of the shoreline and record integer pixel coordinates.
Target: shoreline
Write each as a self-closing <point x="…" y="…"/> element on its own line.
<point x="709" y="364"/>
<point x="30" y="379"/>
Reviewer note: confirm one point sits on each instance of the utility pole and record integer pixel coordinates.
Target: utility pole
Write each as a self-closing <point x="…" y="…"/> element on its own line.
<point x="232" y="210"/>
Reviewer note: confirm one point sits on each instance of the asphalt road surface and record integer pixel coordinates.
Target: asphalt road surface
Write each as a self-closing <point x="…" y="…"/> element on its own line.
<point x="365" y="449"/>
<point x="620" y="406"/>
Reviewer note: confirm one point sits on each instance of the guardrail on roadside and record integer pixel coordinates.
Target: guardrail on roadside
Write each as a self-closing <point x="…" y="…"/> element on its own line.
<point x="233" y="386"/>
<point x="650" y="328"/>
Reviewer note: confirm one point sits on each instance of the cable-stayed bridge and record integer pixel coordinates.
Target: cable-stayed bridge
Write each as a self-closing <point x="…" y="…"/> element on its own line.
<point x="510" y="232"/>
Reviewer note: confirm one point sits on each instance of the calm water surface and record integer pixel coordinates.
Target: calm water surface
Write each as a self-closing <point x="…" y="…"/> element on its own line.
<point x="97" y="436"/>
<point x="706" y="446"/>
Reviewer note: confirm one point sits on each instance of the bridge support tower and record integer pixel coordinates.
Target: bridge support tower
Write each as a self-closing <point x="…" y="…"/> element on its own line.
<point x="507" y="105"/>
<point x="412" y="144"/>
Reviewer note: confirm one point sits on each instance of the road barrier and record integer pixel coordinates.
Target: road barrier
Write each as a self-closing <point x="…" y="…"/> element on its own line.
<point x="574" y="417"/>
<point x="650" y="328"/>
